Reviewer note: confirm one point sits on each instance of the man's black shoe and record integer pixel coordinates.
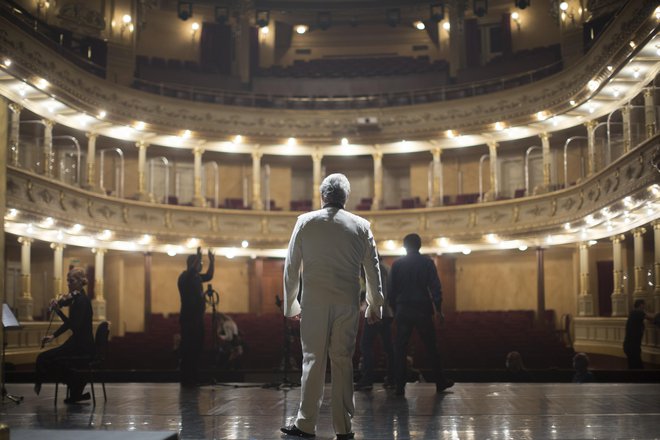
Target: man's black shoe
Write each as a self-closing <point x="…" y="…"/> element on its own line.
<point x="441" y="386"/>
<point x="349" y="436"/>
<point x="294" y="431"/>
<point x="77" y="399"/>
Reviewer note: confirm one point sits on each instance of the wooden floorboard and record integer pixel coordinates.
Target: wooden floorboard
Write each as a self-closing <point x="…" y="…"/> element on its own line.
<point x="248" y="411"/>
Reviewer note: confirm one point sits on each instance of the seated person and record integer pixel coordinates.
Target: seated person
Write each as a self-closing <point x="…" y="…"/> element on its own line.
<point x="581" y="365"/>
<point x="230" y="347"/>
<point x="58" y="362"/>
<point x="515" y="369"/>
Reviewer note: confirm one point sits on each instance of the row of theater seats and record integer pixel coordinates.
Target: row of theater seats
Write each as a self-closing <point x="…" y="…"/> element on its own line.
<point x="355" y="67"/>
<point x="468" y="340"/>
<point x="364" y="205"/>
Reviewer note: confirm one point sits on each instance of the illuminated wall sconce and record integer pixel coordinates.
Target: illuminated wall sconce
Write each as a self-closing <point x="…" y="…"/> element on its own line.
<point x="446" y="26"/>
<point x="301" y="29"/>
<point x="515" y="16"/>
<point x="42" y="5"/>
<point x="566" y="12"/>
<point x="126" y="24"/>
<point x="194" y="28"/>
<point x="262" y="18"/>
<point x="419" y="24"/>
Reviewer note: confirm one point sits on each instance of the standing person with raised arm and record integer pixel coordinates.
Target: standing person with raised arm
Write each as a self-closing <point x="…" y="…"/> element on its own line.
<point x="327" y="248"/>
<point x="191" y="319"/>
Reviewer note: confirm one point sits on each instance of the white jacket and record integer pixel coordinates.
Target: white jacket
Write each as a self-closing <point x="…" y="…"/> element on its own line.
<point x="330" y="246"/>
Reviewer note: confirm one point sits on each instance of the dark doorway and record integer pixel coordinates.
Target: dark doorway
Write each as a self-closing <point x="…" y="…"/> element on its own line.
<point x="605" y="287"/>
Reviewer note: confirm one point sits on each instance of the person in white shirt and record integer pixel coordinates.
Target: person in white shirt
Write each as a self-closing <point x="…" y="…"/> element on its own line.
<point x="327" y="248"/>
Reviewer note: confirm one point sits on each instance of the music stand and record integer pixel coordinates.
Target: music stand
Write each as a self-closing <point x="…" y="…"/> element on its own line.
<point x="9" y="321"/>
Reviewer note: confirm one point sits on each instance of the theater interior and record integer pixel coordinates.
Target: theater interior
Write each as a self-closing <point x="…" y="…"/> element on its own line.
<point x="518" y="138"/>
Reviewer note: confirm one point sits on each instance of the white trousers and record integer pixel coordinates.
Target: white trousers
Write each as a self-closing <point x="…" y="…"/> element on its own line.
<point x="327" y="331"/>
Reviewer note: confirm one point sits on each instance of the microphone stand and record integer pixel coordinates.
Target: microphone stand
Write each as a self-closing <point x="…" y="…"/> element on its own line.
<point x="286" y="383"/>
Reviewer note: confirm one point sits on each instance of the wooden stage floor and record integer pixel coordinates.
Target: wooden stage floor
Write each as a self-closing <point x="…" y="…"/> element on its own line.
<point x="467" y="411"/>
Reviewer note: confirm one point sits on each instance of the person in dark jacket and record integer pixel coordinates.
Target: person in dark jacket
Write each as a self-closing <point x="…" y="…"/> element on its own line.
<point x="191" y="318"/>
<point x="632" y="342"/>
<point x="58" y="361"/>
<point x="415" y="295"/>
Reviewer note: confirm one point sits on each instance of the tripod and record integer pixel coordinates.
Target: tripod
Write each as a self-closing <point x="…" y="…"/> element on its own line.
<point x="8" y="321"/>
<point x="286" y="383"/>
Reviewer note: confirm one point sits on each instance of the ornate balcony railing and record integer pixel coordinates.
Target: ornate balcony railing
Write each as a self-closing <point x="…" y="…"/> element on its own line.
<point x="614" y="200"/>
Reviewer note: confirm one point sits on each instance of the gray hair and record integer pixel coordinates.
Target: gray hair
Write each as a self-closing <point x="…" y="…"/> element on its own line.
<point x="335" y="189"/>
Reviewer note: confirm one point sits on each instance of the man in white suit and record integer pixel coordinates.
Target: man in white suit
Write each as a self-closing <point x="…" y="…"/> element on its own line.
<point x="330" y="246"/>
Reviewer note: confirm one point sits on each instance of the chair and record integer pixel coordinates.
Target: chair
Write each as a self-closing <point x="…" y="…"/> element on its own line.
<point x="90" y="364"/>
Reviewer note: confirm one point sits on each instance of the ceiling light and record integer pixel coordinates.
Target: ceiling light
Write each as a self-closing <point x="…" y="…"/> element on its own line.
<point x="126" y="19"/>
<point x="632" y="44"/>
<point x="6" y="62"/>
<point x="139" y="125"/>
<point x="42" y="83"/>
<point x="563" y="6"/>
<point x="238" y="139"/>
<point x="592" y="242"/>
<point x="12" y="213"/>
<point x="264" y="30"/>
<point x="186" y="134"/>
<point x="48" y="222"/>
<point x="567" y="226"/>
<point x="29" y="229"/>
<point x="610" y="68"/>
<point x="105" y="235"/>
<point x="145" y="239"/>
<point x="171" y="250"/>
<point x="244" y="244"/>
<point x="451" y="134"/>
<point x="301" y="29"/>
<point x="389" y="244"/>
<point x="192" y="243"/>
<point x="419" y="25"/>
<point x="467" y="251"/>
<point x="522" y="247"/>
<point x="102" y="114"/>
<point x="194" y="27"/>
<point x="636" y="71"/>
<point x="572" y="102"/>
<point x="542" y="116"/>
<point x="499" y="126"/>
<point x="231" y="253"/>
<point x="76" y="228"/>
<point x="291" y="142"/>
<point x="344" y="141"/>
<point x="657" y="13"/>
<point x="446" y="26"/>
<point x="515" y="16"/>
<point x="593" y="85"/>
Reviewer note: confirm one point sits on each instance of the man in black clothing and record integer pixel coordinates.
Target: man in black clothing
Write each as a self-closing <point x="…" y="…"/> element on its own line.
<point x="415" y="294"/>
<point x="57" y="361"/>
<point x="632" y="343"/>
<point x="191" y="318"/>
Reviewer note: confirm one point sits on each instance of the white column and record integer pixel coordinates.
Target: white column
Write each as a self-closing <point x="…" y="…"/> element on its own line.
<point x="257" y="203"/>
<point x="25" y="302"/>
<point x="198" y="199"/>
<point x="14" y="131"/>
<point x="91" y="161"/>
<point x="627" y="132"/>
<point x="48" y="155"/>
<point x="585" y="297"/>
<point x="58" y="270"/>
<point x="591" y="147"/>
<point x="142" y="173"/>
<point x="640" y="291"/>
<point x="649" y="112"/>
<point x="494" y="174"/>
<point x="619" y="298"/>
<point x="317" y="157"/>
<point x="656" y="266"/>
<point x="437" y="186"/>
<point x="98" y="303"/>
<point x="378" y="180"/>
<point x="547" y="160"/>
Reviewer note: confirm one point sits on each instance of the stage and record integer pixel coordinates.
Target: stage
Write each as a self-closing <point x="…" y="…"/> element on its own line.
<point x="248" y="411"/>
